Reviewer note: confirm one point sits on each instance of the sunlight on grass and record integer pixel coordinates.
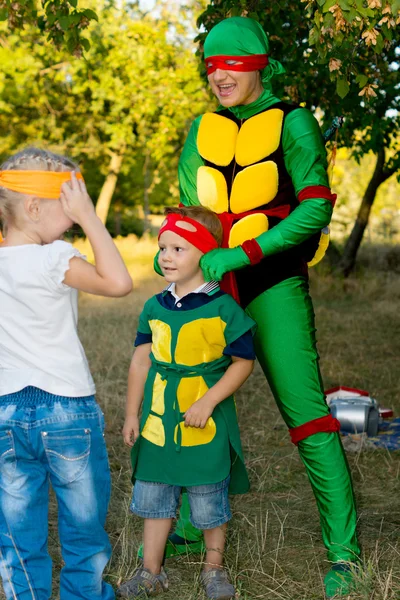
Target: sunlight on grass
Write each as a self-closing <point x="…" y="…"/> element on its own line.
<point x="274" y="549"/>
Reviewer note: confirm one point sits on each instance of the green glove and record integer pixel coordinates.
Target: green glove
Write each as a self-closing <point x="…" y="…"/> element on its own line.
<point x="217" y="262"/>
<point x="156" y="265"/>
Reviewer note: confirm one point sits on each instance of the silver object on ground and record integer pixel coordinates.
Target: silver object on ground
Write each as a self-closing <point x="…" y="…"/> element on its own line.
<point x="356" y="415"/>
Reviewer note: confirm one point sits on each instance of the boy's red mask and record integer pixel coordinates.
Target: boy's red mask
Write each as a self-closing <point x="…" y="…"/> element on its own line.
<point x="201" y="238"/>
<point x="255" y="62"/>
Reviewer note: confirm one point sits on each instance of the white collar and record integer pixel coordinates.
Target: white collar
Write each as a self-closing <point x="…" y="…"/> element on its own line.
<point x="204" y="288"/>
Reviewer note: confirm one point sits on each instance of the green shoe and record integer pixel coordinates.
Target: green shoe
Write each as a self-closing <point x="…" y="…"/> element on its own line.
<point x="178" y="546"/>
<point x="340" y="580"/>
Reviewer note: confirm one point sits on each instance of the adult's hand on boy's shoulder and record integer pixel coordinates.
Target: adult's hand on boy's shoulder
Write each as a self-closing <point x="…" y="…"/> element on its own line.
<point x="199" y="413"/>
<point x="216" y="263"/>
<point x="130" y="430"/>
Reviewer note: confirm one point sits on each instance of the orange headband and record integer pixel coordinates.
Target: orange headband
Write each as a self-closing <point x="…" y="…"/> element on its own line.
<point x="44" y="184"/>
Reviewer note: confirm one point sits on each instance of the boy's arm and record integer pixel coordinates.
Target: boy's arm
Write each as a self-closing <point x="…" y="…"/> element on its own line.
<point x="235" y="375"/>
<point x="138" y="372"/>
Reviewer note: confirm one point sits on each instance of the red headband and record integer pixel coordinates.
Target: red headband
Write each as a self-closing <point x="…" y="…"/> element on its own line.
<point x="255" y="62"/>
<point x="201" y="238"/>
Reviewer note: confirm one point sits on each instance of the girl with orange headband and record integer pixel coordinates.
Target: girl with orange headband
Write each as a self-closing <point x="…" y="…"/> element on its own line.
<point x="51" y="428"/>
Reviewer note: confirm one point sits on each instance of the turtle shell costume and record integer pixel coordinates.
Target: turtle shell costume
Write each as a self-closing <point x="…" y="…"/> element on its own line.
<point x="262" y="168"/>
<point x="186" y="360"/>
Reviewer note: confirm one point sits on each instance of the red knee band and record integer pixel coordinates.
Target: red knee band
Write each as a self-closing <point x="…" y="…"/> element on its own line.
<point x="253" y="251"/>
<point x="325" y="424"/>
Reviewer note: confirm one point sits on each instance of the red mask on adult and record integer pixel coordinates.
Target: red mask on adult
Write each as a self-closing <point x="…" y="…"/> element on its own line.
<point x="255" y="62"/>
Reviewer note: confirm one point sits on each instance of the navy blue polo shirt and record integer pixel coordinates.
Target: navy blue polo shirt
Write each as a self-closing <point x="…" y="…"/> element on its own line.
<point x="242" y="347"/>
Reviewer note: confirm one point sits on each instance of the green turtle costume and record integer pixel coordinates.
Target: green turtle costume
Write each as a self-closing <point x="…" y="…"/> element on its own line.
<point x="262" y="168"/>
<point x="187" y="358"/>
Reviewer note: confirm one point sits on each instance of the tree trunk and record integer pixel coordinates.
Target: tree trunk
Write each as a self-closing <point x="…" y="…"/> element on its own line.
<point x="349" y="255"/>
<point x="107" y="191"/>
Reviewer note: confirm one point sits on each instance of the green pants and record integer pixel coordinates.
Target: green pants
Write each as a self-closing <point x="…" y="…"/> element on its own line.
<point x="286" y="349"/>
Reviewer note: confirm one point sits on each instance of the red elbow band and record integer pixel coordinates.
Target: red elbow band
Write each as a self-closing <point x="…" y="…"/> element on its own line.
<point x="253" y="251"/>
<point x="327" y="424"/>
<point x="317" y="191"/>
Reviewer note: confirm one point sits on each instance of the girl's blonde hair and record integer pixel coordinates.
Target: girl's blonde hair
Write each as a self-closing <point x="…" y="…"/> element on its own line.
<point x="30" y="159"/>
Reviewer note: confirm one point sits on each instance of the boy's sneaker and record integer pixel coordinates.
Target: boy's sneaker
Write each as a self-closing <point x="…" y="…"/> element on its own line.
<point x="143" y="584"/>
<point x="216" y="585"/>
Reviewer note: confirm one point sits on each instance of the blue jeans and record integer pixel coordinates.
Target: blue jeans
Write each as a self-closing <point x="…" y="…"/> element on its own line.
<point x="52" y="438"/>
<point x="209" y="504"/>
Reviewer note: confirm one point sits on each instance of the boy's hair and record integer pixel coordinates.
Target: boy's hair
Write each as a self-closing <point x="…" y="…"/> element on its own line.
<point x="30" y="159"/>
<point x="203" y="215"/>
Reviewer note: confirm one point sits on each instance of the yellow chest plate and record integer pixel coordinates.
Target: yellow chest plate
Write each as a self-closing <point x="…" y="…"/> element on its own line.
<point x="220" y="141"/>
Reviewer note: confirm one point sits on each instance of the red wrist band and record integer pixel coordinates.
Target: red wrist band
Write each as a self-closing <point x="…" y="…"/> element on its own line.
<point x="253" y="251"/>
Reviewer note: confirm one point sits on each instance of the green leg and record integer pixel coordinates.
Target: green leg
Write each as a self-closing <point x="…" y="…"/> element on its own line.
<point x="184" y="528"/>
<point x="286" y="349"/>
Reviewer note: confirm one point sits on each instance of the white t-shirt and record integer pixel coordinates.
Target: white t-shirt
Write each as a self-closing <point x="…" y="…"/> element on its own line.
<point x="39" y="343"/>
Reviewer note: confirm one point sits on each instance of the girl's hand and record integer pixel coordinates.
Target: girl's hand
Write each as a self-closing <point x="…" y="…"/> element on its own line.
<point x="130" y="430"/>
<point x="199" y="413"/>
<point x="75" y="200"/>
<point x="217" y="262"/>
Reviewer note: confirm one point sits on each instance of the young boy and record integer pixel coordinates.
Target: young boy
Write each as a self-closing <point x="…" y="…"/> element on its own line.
<point x="194" y="349"/>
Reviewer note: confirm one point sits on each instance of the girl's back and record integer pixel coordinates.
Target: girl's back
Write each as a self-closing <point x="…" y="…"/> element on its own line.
<point x="39" y="343"/>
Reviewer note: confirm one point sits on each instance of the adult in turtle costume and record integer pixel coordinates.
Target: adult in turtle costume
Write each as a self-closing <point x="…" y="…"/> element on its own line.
<point x="260" y="164"/>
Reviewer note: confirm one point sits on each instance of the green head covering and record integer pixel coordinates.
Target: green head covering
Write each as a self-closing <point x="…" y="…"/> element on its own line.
<point x="240" y="36"/>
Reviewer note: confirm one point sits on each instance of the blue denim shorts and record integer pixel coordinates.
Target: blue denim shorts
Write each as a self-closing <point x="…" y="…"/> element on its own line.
<point x="209" y="504"/>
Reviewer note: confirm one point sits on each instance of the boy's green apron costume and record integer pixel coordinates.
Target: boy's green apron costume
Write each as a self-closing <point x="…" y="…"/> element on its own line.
<point x="262" y="168"/>
<point x="187" y="359"/>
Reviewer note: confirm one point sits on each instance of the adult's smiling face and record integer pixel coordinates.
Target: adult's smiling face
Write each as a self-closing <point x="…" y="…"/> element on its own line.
<point x="233" y="88"/>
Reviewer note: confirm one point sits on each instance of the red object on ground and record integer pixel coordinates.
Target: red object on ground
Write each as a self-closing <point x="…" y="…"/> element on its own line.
<point x="386" y="413"/>
<point x="346" y="389"/>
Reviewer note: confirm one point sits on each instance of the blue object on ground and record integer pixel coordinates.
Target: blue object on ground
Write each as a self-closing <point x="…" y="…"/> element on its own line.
<point x="389" y="435"/>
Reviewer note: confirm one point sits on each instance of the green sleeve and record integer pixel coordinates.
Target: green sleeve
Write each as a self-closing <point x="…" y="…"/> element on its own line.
<point x="304" y="150"/>
<point x="305" y="161"/>
<point x="237" y="321"/>
<point x="189" y="163"/>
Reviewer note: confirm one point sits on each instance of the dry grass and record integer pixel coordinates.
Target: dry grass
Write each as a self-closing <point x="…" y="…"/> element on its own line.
<point x="274" y="549"/>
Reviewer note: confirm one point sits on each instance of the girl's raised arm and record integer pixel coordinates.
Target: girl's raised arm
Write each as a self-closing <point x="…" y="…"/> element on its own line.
<point x="109" y="275"/>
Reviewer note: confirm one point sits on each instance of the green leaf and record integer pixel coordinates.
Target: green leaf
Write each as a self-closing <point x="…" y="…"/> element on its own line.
<point x="313" y="37"/>
<point x="361" y="80"/>
<point x="64" y="22"/>
<point x="71" y="44"/>
<point x="73" y="3"/>
<point x="366" y="12"/>
<point x="85" y="44"/>
<point x="235" y="11"/>
<point x="75" y="18"/>
<point x="342" y="87"/>
<point x="379" y="44"/>
<point x="395" y="6"/>
<point x="350" y="15"/>
<point x="328" y="4"/>
<point x="3" y="14"/>
<point x="90" y="14"/>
